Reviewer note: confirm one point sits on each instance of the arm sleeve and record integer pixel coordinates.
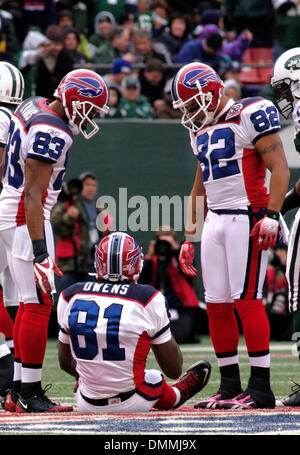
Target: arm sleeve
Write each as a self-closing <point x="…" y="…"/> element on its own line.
<point x="157" y="310"/>
<point x="62" y="319"/>
<point x="47" y="143"/>
<point x="259" y="119"/>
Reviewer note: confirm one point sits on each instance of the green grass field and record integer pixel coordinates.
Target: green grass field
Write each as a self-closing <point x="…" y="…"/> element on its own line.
<point x="284" y="368"/>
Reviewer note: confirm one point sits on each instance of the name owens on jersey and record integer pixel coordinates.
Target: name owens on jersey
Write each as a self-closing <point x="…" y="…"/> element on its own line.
<point x="35" y="131"/>
<point x="233" y="172"/>
<point x="110" y="329"/>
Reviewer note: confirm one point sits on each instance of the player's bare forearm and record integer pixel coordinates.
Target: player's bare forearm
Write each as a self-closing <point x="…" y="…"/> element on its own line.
<point x="271" y="151"/>
<point x="34" y="216"/>
<point x="37" y="176"/>
<point x="196" y="206"/>
<point x="278" y="188"/>
<point x="66" y="361"/>
<point x="169" y="358"/>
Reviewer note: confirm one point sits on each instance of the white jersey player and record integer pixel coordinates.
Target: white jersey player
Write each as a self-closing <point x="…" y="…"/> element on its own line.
<point x="11" y="94"/>
<point x="106" y="331"/>
<point x="234" y="143"/>
<point x="40" y="135"/>
<point x="285" y="84"/>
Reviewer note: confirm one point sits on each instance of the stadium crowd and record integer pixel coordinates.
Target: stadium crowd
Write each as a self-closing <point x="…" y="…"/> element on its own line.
<point x="137" y="45"/>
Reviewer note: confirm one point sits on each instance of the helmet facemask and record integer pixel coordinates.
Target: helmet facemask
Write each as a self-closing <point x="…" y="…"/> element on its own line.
<point x="286" y="94"/>
<point x="204" y="101"/>
<point x="84" y="110"/>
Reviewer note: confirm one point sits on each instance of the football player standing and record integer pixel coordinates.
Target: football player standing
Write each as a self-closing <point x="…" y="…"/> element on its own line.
<point x="11" y="95"/>
<point x="40" y="136"/>
<point x="234" y="143"/>
<point x="286" y="86"/>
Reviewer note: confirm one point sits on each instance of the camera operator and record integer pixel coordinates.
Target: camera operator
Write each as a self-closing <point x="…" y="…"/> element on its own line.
<point x="162" y="270"/>
<point x="74" y="224"/>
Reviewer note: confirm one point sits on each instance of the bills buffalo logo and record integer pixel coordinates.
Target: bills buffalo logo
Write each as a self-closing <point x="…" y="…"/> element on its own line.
<point x="88" y="87"/>
<point x="203" y="76"/>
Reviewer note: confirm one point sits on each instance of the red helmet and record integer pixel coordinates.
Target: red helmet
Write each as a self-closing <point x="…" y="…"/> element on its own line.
<point x="201" y="83"/>
<point x="118" y="257"/>
<point x="83" y="93"/>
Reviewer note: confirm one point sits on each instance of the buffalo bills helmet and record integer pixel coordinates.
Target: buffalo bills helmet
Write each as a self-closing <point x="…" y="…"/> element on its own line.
<point x="11" y="84"/>
<point x="83" y="94"/>
<point x="196" y="89"/>
<point x="118" y="257"/>
<point x="285" y="81"/>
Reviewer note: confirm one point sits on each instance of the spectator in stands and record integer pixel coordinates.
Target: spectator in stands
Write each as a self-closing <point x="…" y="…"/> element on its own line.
<point x="74" y="223"/>
<point x="133" y="104"/>
<point x="159" y="17"/>
<point x="128" y="20"/>
<point x="234" y="48"/>
<point x="206" y="50"/>
<point x="287" y="25"/>
<point x="66" y="19"/>
<point x="232" y="89"/>
<point x="114" y="103"/>
<point x="71" y="43"/>
<point x="253" y="15"/>
<point x="115" y="7"/>
<point x="33" y="48"/>
<point x="8" y="42"/>
<point x="144" y="48"/>
<point x="37" y="14"/>
<point x="115" y="48"/>
<point x="162" y="270"/>
<point x="164" y="108"/>
<point x="153" y="80"/>
<point x="54" y="63"/>
<point x="234" y="72"/>
<point x="104" y="24"/>
<point x="176" y="34"/>
<point x="144" y="16"/>
<point x="120" y="69"/>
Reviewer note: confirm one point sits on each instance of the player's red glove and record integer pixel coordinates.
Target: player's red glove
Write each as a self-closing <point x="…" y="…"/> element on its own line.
<point x="265" y="231"/>
<point x="44" y="276"/>
<point x="186" y="257"/>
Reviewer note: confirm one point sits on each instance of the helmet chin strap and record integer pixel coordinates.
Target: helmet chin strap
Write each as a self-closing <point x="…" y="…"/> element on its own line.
<point x="74" y="128"/>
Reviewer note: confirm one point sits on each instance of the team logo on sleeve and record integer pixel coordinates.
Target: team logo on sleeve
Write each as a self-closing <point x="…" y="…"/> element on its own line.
<point x="88" y="87"/>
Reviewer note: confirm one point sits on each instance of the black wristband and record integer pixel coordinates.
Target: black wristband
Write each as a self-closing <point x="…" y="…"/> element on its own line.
<point x="39" y="250"/>
<point x="272" y="214"/>
<point x="291" y="201"/>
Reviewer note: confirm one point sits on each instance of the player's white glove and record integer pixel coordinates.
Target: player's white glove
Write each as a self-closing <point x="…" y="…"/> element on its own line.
<point x="44" y="276"/>
<point x="265" y="231"/>
<point x="186" y="257"/>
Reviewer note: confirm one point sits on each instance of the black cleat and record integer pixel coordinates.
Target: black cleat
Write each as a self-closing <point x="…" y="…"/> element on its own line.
<point x="293" y="399"/>
<point x="193" y="380"/>
<point x="40" y="403"/>
<point x="250" y="399"/>
<point x="6" y="376"/>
